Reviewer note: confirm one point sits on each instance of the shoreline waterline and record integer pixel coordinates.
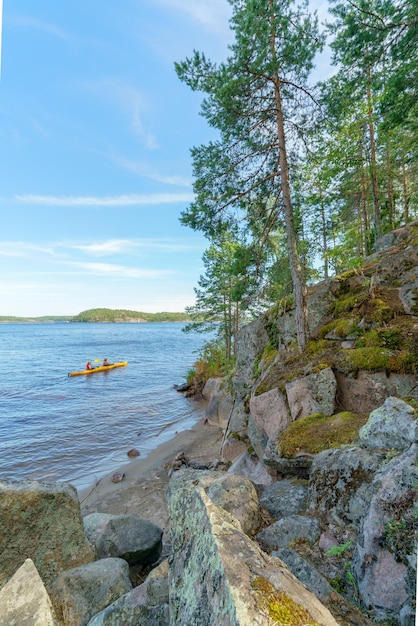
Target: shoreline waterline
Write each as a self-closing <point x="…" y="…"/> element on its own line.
<point x="162" y="453"/>
<point x="57" y="428"/>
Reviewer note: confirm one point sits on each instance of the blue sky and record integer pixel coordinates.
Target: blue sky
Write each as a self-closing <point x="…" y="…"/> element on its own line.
<point x="95" y="138"/>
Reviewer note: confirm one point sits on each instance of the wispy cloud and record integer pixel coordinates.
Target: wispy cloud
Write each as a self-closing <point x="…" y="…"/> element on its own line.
<point x="106" y="201"/>
<point x="104" y="248"/>
<point x="212" y="15"/>
<point x="22" y="248"/>
<point x="121" y="271"/>
<point x="62" y="250"/>
<point x="123" y="246"/>
<point x="37" y="24"/>
<point x="130" y="100"/>
<point x="143" y="170"/>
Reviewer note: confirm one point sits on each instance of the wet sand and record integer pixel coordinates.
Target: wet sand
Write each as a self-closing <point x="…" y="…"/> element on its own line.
<point x="142" y="491"/>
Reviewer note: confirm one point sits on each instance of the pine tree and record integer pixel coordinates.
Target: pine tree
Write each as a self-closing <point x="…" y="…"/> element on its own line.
<point x="256" y="99"/>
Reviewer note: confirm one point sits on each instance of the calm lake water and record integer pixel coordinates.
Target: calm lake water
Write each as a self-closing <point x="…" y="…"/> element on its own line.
<point x="57" y="428"/>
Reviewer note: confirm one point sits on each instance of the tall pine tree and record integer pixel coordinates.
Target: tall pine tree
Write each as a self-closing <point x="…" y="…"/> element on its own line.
<point x="257" y="101"/>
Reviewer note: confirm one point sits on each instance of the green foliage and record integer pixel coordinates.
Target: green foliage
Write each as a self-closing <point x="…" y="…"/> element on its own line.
<point x="338" y="550"/>
<point x="243" y="176"/>
<point x="268" y="354"/>
<point x="354" y="176"/>
<point x="212" y="363"/>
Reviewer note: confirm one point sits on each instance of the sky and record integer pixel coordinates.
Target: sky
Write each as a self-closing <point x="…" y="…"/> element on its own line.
<point x="95" y="138"/>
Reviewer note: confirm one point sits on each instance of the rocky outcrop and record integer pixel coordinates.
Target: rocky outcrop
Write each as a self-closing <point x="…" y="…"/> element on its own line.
<point x="394" y="425"/>
<point x="238" y="496"/>
<point x="345" y="390"/>
<point x="269" y="416"/>
<point x="250" y="467"/>
<point x="339" y="484"/>
<point x="385" y="558"/>
<point x="41" y="521"/>
<point x="289" y="529"/>
<point x="314" y="393"/>
<point x="209" y="583"/>
<point x="257" y="544"/>
<point x="285" y="497"/>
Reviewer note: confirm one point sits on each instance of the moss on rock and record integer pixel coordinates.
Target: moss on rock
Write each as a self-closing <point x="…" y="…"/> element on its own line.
<point x="280" y="607"/>
<point x="319" y="432"/>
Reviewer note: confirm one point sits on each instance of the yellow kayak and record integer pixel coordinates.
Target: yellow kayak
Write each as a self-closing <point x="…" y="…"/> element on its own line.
<point x="101" y="368"/>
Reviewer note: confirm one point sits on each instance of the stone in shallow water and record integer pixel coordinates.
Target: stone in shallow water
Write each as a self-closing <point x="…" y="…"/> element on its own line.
<point x="118" y="477"/>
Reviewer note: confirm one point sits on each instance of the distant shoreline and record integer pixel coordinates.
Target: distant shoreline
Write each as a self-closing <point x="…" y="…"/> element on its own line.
<point x="101" y="316"/>
<point x="43" y="321"/>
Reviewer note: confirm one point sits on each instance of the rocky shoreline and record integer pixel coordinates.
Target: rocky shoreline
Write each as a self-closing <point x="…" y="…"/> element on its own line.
<point x="294" y="502"/>
<point x="142" y="491"/>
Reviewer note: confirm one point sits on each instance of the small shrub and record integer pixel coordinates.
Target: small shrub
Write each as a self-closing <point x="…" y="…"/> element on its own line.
<point x="338" y="550"/>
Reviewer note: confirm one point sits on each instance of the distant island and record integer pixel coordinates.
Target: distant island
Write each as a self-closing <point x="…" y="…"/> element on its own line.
<point x="100" y="315"/>
<point x="123" y="315"/>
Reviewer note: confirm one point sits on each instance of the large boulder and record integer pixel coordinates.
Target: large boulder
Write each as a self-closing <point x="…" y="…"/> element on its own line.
<point x="239" y="417"/>
<point x="250" y="467"/>
<point x="238" y="496"/>
<point x="287" y="530"/>
<point x="346" y="613"/>
<point x="233" y="493"/>
<point x="408" y="291"/>
<point x="219" y="576"/>
<point x="220" y="402"/>
<point x="368" y="390"/>
<point x="393" y="265"/>
<point x="393" y="425"/>
<point x="312" y="394"/>
<point x="41" y="521"/>
<point x="147" y="604"/>
<point x="339" y="487"/>
<point x="80" y="593"/>
<point x="129" y="537"/>
<point x="251" y="340"/>
<point x="257" y="436"/>
<point x="385" y="557"/>
<point x="24" y="600"/>
<point x="305" y="572"/>
<point x="285" y="497"/>
<point x="271" y="416"/>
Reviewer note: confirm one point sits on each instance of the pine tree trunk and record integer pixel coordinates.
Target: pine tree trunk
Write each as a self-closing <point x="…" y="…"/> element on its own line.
<point x="366" y="231"/>
<point x="299" y="286"/>
<point x="391" y="203"/>
<point x="405" y="193"/>
<point x="373" y="161"/>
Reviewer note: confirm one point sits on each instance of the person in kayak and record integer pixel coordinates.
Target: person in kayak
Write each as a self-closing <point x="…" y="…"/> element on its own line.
<point x="89" y="366"/>
<point x="106" y="362"/>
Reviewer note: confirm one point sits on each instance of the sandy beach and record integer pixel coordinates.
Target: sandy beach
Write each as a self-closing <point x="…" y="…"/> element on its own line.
<point x="142" y="491"/>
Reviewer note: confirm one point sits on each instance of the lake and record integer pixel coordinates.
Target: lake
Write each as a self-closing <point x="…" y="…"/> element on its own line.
<point x="57" y="428"/>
